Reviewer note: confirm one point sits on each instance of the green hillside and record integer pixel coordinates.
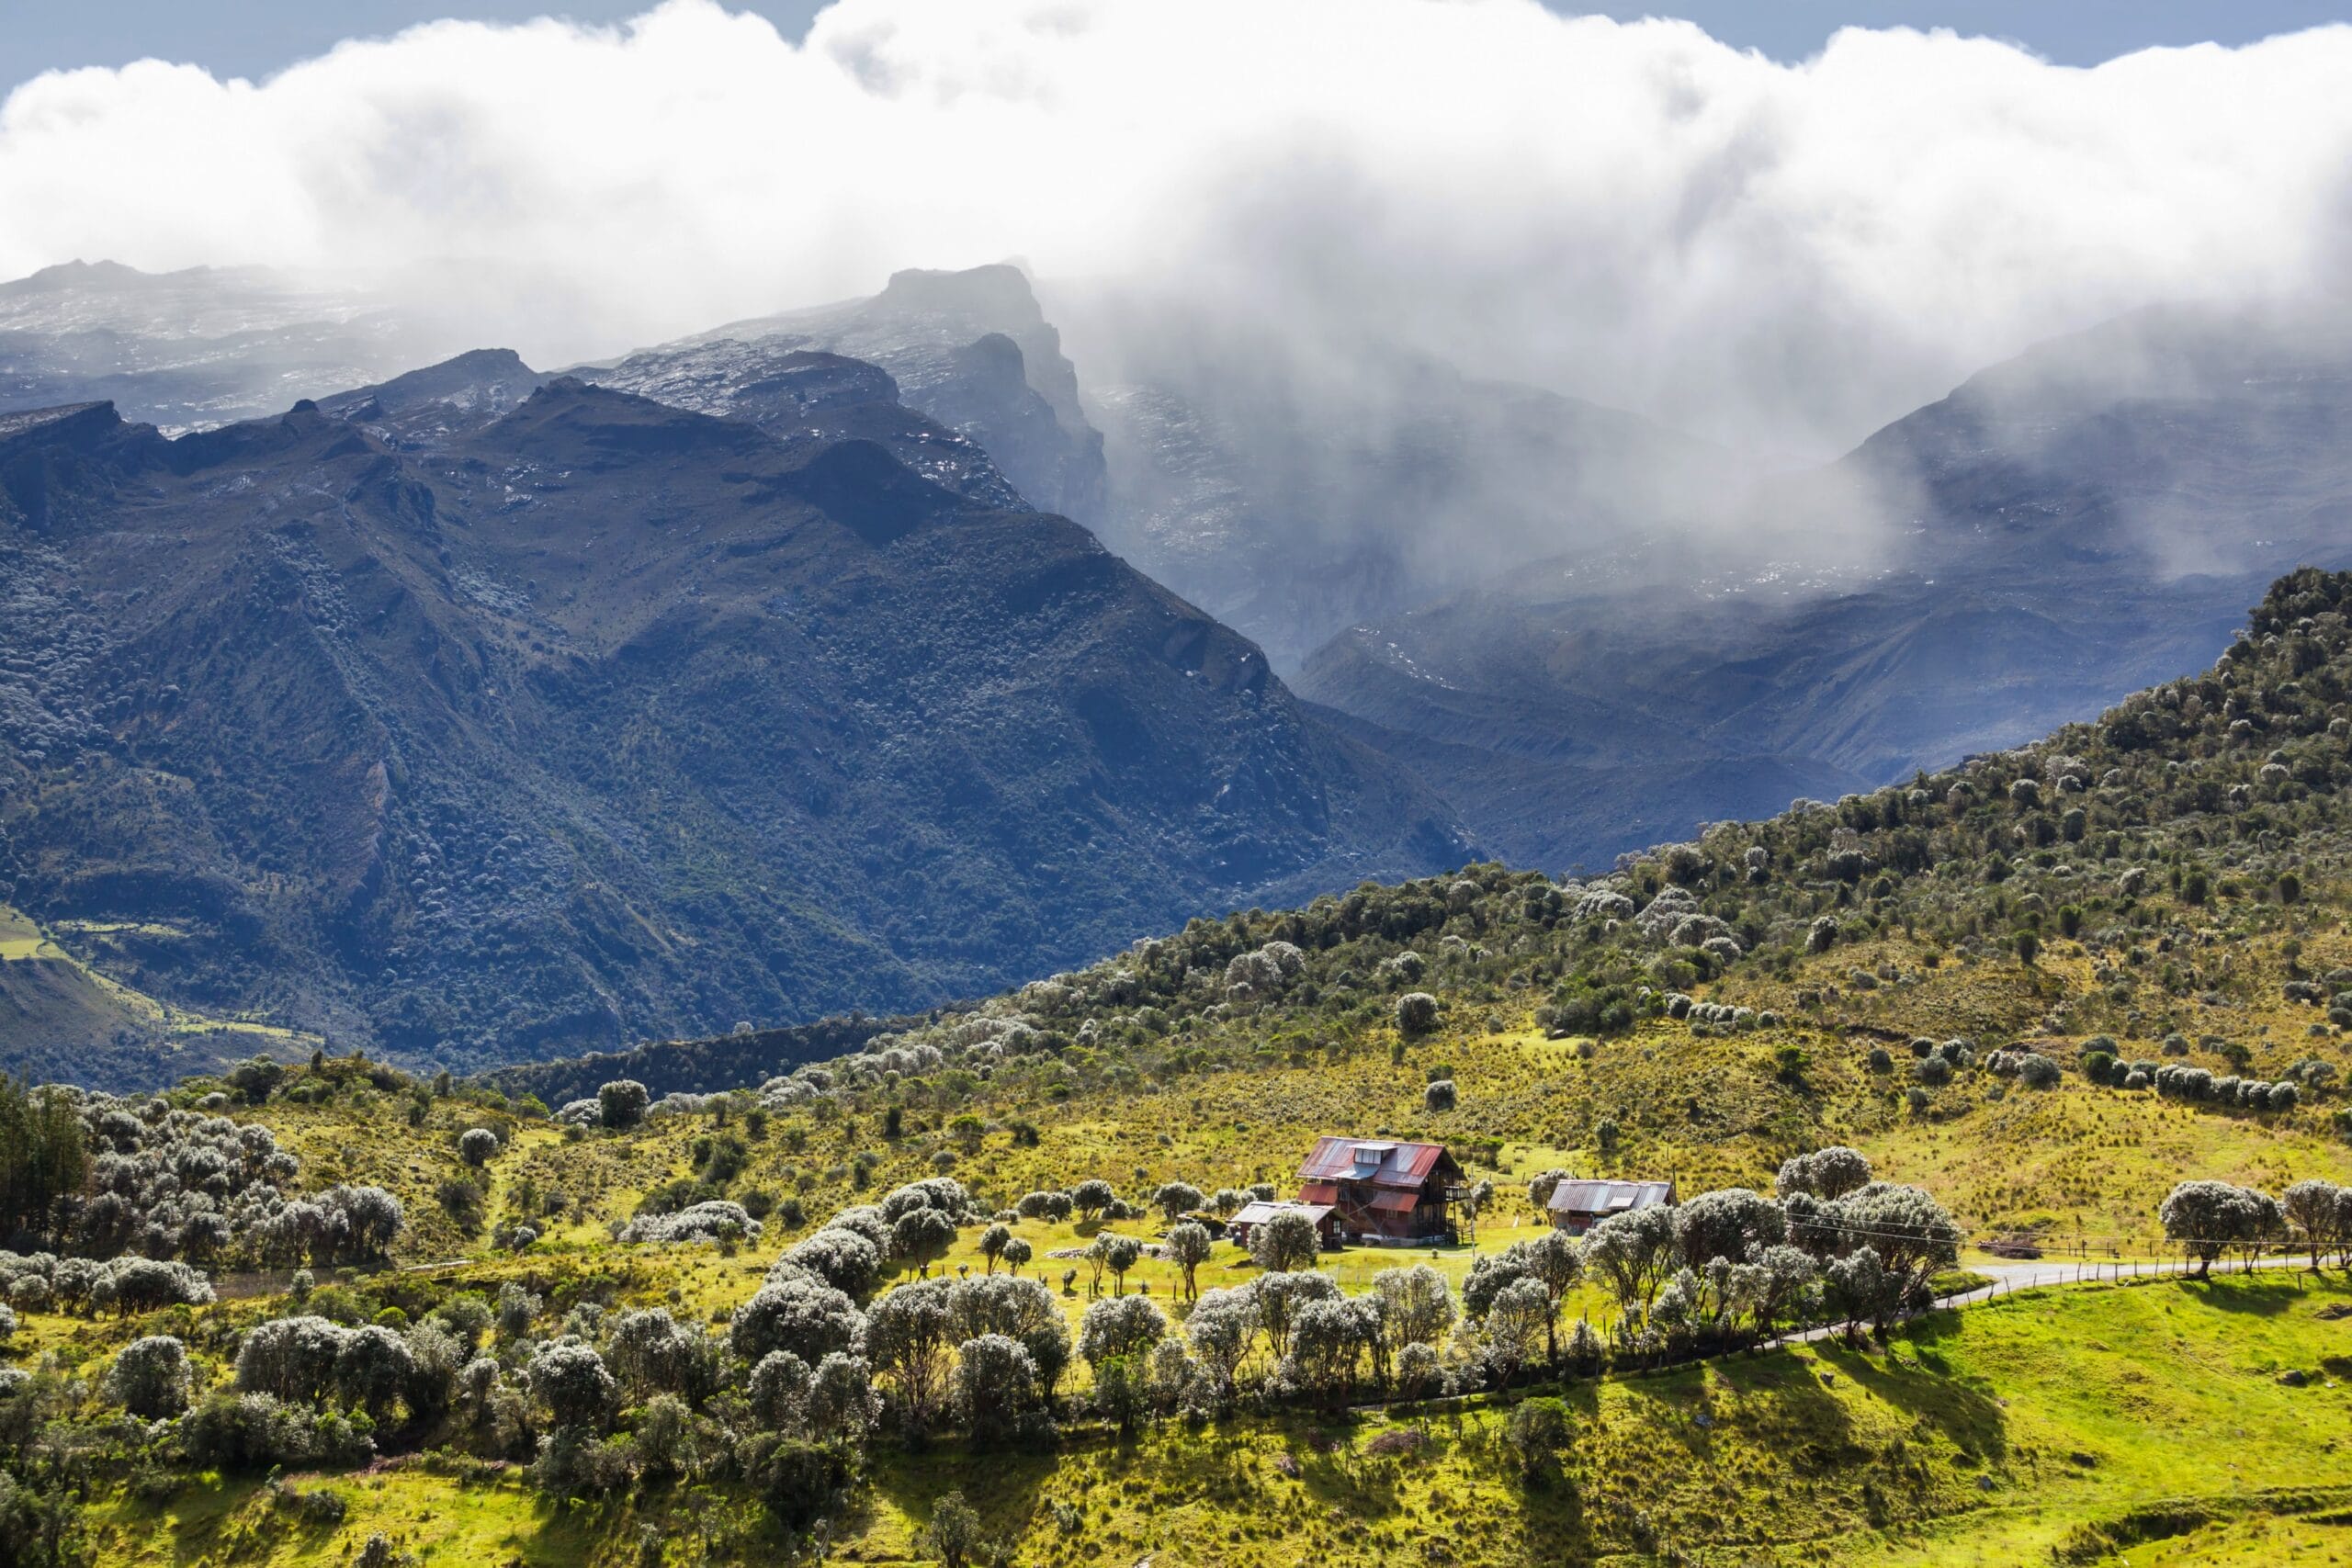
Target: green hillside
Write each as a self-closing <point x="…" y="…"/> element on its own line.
<point x="784" y="1322"/>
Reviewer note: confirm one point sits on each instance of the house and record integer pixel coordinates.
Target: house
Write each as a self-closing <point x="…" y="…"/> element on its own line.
<point x="1252" y="1215"/>
<point x="1383" y="1192"/>
<point x="1577" y="1206"/>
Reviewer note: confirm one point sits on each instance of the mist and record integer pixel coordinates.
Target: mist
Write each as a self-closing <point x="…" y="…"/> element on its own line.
<point x="1776" y="256"/>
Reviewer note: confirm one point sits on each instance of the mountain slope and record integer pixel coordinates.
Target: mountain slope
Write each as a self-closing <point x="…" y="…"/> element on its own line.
<point x="2062" y="530"/>
<point x="970" y="349"/>
<point x="190" y="349"/>
<point x="488" y="721"/>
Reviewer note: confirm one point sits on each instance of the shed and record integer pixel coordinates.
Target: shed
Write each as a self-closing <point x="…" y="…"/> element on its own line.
<point x="1254" y="1215"/>
<point x="1577" y="1206"/>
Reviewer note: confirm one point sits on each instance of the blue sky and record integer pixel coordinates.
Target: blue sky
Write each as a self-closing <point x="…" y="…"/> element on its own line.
<point x="251" y="38"/>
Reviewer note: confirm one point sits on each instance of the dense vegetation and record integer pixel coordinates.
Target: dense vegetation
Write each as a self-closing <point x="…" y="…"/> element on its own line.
<point x="963" y="1290"/>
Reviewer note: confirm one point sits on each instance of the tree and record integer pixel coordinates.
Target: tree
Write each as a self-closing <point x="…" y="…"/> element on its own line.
<point x="1121" y="1392"/>
<point x="954" y="1534"/>
<point x="798" y="1479"/>
<point x="1520" y="1319"/>
<point x="149" y="1378"/>
<point x="1537" y="1431"/>
<point x="1415" y="1013"/>
<point x="1122" y="1325"/>
<point x="921" y="1235"/>
<point x="1285" y="1241"/>
<point x="798" y="1313"/>
<point x="1554" y="1261"/>
<point x="1219" y="1329"/>
<point x="993" y="1241"/>
<point x="2038" y="1071"/>
<point x="1175" y="1200"/>
<point x="1541" y="1187"/>
<point x="2313" y="1208"/>
<point x="1017" y="1253"/>
<point x="622" y="1103"/>
<point x="1188" y="1247"/>
<point x="846" y="1260"/>
<point x="1121" y="1253"/>
<point x="43" y="1153"/>
<point x="1914" y="1236"/>
<point x="2205" y="1219"/>
<point x="1418" y="1305"/>
<point x="996" y="1384"/>
<point x="1828" y="1174"/>
<point x="1278" y="1297"/>
<point x="476" y="1146"/>
<point x="1860" y="1289"/>
<point x="1732" y="1222"/>
<point x="1092" y="1197"/>
<point x="1328" y="1340"/>
<point x="1022" y="1309"/>
<point x="778" y="1392"/>
<point x="1632" y="1253"/>
<point x="569" y="1383"/>
<point x="907" y="1339"/>
<point x="842" y="1405"/>
<point x="1777" y="1289"/>
<point x="651" y="1353"/>
<point x="1440" y="1095"/>
<point x="290" y="1359"/>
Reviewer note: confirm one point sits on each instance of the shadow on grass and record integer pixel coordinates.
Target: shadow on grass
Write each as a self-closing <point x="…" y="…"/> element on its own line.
<point x="1961" y="1412"/>
<point x="2252" y="1294"/>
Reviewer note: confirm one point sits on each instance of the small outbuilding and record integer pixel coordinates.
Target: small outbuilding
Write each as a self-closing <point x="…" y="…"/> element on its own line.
<point x="1577" y="1206"/>
<point x="1253" y="1214"/>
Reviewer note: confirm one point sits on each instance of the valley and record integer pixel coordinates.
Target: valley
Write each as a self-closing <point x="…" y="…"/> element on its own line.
<point x="2032" y="1011"/>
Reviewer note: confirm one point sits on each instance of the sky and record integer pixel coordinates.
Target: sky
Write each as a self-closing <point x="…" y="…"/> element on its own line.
<point x="1782" y="250"/>
<point x="254" y="38"/>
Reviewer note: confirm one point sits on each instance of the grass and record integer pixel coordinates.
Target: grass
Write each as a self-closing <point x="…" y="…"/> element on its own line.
<point x="1990" y="1437"/>
<point x="23" y="940"/>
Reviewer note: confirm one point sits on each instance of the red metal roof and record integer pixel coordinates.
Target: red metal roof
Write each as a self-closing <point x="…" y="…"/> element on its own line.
<point x="1396" y="1202"/>
<point x="1319" y="1192"/>
<point x="1383" y="1162"/>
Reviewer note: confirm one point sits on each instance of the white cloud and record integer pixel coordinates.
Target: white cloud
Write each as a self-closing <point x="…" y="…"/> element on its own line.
<point x="1632" y="212"/>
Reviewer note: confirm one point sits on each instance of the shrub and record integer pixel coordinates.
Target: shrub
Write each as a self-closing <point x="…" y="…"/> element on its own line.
<point x="622" y="1103"/>
<point x="150" y="1378"/>
<point x="1537" y="1431"/>
<point x="477" y="1145"/>
<point x="1416" y="1013"/>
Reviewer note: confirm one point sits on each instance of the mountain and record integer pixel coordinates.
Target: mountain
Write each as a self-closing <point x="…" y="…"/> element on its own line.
<point x="478" y="716"/>
<point x="187" y="350"/>
<point x="970" y="349"/>
<point x="2064" y="528"/>
<point x="2063" y="1025"/>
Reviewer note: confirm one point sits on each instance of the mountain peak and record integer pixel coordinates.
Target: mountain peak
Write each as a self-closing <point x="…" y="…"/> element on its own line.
<point x="998" y="292"/>
<point x="78" y="274"/>
<point x="49" y="425"/>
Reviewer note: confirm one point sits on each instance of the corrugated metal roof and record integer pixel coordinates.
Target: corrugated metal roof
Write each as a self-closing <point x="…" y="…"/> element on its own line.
<point x="1381" y="1161"/>
<point x="1609" y="1196"/>
<point x="1396" y="1202"/>
<point x="1319" y="1192"/>
<point x="1258" y="1214"/>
